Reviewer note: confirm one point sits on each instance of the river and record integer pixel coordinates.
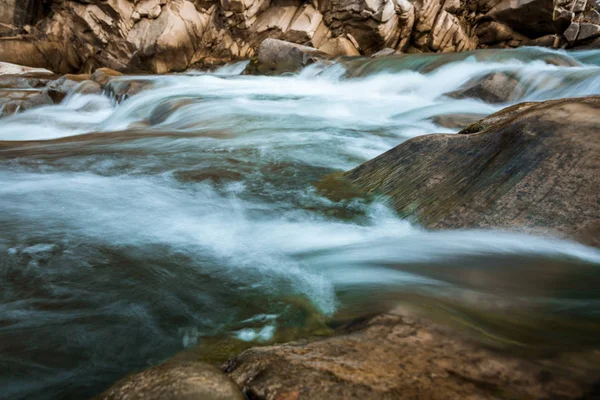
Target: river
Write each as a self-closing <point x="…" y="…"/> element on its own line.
<point x="131" y="229"/>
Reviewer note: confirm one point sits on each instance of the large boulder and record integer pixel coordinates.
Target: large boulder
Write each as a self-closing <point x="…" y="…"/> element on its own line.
<point x="276" y="57"/>
<point x="396" y="356"/>
<point x="532" y="167"/>
<point x="186" y="380"/>
<point x="497" y="87"/>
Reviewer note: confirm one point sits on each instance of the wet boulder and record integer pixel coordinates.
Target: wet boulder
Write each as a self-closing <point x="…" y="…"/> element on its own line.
<point x="276" y="57"/>
<point x="186" y="380"/>
<point x="396" y="356"/>
<point x="103" y="75"/>
<point x="121" y="89"/>
<point x="532" y="167"/>
<point x="88" y="87"/>
<point x="60" y="88"/>
<point x="16" y="100"/>
<point x="497" y="87"/>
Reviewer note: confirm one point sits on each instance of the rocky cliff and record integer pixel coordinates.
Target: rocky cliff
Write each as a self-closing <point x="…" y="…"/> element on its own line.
<point x="172" y="35"/>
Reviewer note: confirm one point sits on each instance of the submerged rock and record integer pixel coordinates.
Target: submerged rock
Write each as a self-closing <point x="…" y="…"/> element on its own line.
<point x="394" y="356"/>
<point x="532" y="167"/>
<point x="186" y="380"/>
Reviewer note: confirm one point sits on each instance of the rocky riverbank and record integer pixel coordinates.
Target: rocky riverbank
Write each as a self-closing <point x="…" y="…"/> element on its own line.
<point x="159" y="36"/>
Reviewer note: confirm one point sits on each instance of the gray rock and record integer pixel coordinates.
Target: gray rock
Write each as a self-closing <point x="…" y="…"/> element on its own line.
<point x="588" y="31"/>
<point x="571" y="33"/>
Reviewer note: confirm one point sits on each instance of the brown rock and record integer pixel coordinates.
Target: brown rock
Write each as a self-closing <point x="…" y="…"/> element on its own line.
<point x="103" y="75"/>
<point x="399" y="357"/>
<point x="340" y="46"/>
<point x="456" y="121"/>
<point x="498" y="87"/>
<point x="494" y="32"/>
<point x="122" y="88"/>
<point x="175" y="381"/>
<point x="16" y="100"/>
<point x="532" y="18"/>
<point x="88" y="87"/>
<point x="533" y="166"/>
<point x="277" y="57"/>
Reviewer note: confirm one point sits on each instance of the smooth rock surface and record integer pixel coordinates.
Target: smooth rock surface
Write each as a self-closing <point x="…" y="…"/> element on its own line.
<point x="497" y="87"/>
<point x="394" y="356"/>
<point x="175" y="381"/>
<point x="531" y="167"/>
<point x="277" y="57"/>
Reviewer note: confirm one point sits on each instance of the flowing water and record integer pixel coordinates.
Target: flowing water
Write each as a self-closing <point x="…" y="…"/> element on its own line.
<point x="132" y="229"/>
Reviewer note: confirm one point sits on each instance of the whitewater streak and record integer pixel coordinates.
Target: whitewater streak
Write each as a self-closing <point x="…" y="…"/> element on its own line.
<point x="131" y="229"/>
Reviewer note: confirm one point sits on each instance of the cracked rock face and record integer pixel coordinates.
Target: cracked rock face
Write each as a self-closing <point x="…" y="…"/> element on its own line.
<point x="578" y="21"/>
<point x="161" y="36"/>
<point x="173" y="35"/>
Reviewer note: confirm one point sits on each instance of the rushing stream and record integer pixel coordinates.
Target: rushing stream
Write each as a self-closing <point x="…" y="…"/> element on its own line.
<point x="130" y="230"/>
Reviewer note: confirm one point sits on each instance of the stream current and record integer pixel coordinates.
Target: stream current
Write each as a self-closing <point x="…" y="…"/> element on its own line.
<point x="133" y="228"/>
